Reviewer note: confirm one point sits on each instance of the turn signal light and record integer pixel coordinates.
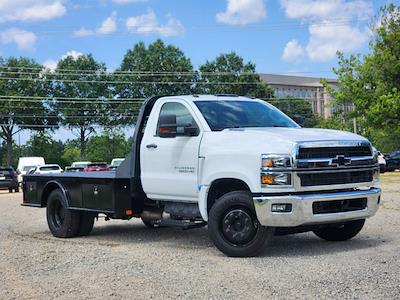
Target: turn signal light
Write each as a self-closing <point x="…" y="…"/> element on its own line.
<point x="267" y="179"/>
<point x="128" y="212"/>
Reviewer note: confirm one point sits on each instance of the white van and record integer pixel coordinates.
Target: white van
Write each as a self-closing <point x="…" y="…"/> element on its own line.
<point x="27" y="163"/>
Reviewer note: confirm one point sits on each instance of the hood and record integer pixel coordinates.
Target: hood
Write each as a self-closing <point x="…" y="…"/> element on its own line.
<point x="269" y="140"/>
<point x="296" y="135"/>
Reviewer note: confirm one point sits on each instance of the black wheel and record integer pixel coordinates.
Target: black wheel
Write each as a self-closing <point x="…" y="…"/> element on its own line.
<point x="233" y="226"/>
<point x="342" y="232"/>
<point x="10" y="190"/>
<point x="86" y="223"/>
<point x="151" y="224"/>
<point x="16" y="189"/>
<point x="62" y="222"/>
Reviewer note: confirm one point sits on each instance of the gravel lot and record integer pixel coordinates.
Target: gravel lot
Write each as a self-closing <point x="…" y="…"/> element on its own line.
<point x="124" y="259"/>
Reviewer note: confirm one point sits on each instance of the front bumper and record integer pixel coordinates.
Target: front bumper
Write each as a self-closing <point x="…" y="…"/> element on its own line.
<point x="302" y="208"/>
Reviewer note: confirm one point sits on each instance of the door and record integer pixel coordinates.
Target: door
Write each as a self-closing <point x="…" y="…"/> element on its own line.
<point x="169" y="164"/>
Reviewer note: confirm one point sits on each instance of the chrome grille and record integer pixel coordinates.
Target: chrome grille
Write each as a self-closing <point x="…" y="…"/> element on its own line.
<point x="335" y="163"/>
<point x="332" y="152"/>
<point x="333" y="177"/>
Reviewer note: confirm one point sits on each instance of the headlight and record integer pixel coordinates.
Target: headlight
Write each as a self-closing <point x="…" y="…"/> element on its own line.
<point x="275" y="161"/>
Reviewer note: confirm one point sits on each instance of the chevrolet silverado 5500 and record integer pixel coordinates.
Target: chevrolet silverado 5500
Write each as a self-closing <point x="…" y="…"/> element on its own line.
<point x="236" y="164"/>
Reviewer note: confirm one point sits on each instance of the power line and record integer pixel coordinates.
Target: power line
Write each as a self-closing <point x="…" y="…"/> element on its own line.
<point x="59" y="126"/>
<point x="263" y="27"/>
<point x="73" y="100"/>
<point x="195" y="72"/>
<point x="279" y="23"/>
<point x="34" y="99"/>
<point x="137" y="82"/>
<point x="145" y="73"/>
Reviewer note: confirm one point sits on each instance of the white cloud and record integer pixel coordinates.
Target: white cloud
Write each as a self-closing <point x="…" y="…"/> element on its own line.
<point x="326" y="40"/>
<point x="109" y="25"/>
<point x="242" y="12"/>
<point x="322" y="9"/>
<point x="332" y="26"/>
<point x="25" y="40"/>
<point x="30" y="10"/>
<point x="127" y="1"/>
<point x="73" y="53"/>
<point x="82" y="32"/>
<point x="293" y="51"/>
<point x="148" y="24"/>
<point x="50" y="64"/>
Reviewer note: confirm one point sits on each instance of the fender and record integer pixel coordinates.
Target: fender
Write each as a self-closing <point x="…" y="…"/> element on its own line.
<point x="49" y="187"/>
<point x="203" y="189"/>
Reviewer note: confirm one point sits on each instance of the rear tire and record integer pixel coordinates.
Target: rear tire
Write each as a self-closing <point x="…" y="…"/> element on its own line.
<point x="340" y="233"/>
<point x="62" y="222"/>
<point x="10" y="190"/>
<point x="233" y="226"/>
<point x="16" y="189"/>
<point x="86" y="223"/>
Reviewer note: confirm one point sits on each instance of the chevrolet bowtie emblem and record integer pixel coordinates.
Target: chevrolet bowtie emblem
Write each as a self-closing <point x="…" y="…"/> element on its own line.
<point x="340" y="160"/>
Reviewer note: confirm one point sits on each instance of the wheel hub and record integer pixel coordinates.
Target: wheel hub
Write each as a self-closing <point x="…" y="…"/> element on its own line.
<point x="238" y="227"/>
<point x="59" y="215"/>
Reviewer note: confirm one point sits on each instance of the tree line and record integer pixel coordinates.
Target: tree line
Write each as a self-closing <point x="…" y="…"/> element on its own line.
<point x="82" y="95"/>
<point x="372" y="84"/>
<point x="101" y="148"/>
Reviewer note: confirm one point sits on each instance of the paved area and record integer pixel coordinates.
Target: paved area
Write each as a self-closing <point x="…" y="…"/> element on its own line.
<point x="125" y="259"/>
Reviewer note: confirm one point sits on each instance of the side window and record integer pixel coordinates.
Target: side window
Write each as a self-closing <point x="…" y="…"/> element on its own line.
<point x="171" y="110"/>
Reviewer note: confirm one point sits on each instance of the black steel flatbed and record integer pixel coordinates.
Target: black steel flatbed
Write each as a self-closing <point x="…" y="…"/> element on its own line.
<point x="118" y="194"/>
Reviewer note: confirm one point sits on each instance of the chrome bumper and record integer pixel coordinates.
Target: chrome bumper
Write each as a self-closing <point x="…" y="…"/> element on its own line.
<point x="302" y="211"/>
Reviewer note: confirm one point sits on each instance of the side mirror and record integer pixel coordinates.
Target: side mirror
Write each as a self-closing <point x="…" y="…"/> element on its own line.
<point x="168" y="128"/>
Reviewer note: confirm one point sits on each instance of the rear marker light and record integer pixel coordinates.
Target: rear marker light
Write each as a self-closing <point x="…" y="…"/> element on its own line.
<point x="128" y="212"/>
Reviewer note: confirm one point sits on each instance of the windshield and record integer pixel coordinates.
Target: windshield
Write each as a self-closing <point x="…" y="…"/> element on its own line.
<point x="117" y="162"/>
<point x="50" y="168"/>
<point x="27" y="168"/>
<point x="236" y="114"/>
<point x="79" y="165"/>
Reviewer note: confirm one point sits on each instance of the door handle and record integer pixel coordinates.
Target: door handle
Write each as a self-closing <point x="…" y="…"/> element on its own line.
<point x="151" y="146"/>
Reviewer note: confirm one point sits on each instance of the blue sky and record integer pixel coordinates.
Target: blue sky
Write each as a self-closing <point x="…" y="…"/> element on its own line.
<point x="279" y="36"/>
<point x="260" y="31"/>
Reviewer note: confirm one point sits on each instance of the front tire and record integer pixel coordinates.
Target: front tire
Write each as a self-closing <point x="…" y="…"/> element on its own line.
<point x="343" y="232"/>
<point x="62" y="222"/>
<point x="233" y="226"/>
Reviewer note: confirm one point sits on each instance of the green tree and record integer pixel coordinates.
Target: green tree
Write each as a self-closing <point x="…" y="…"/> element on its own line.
<point x="22" y="101"/>
<point x="110" y="144"/>
<point x="81" y="90"/>
<point x="372" y="83"/>
<point x="42" y="144"/>
<point x="295" y="108"/>
<point x="228" y="74"/>
<point x="158" y="69"/>
<point x="71" y="154"/>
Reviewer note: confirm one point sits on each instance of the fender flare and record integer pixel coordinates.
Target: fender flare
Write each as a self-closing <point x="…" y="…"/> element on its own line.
<point x="51" y="186"/>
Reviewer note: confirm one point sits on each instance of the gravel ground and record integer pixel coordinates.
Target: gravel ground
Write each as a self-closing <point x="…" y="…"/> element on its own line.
<point x="124" y="259"/>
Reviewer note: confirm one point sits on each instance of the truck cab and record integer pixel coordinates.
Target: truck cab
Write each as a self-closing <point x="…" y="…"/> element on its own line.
<point x="234" y="163"/>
